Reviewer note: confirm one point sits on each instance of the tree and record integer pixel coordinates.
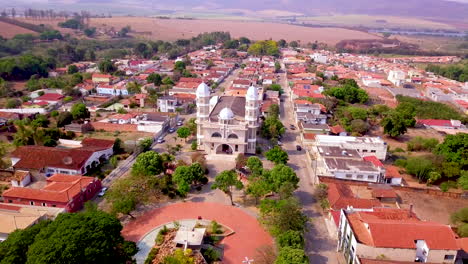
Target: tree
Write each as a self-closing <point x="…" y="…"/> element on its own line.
<point x="282" y="43"/>
<point x="293" y="44"/>
<point x="154" y="78"/>
<point x="145" y="144"/>
<point x="12" y="103"/>
<point x="64" y="118"/>
<point x="359" y="126"/>
<point x="275" y="87"/>
<point x="460" y="219"/>
<point x="125" y="205"/>
<point x="255" y="165"/>
<point x="288" y="255"/>
<point x="180" y="66"/>
<point x="14" y="249"/>
<point x="241" y="161"/>
<point x="281" y="174"/>
<point x="79" y="111"/>
<point x="134" y="87"/>
<point x="147" y="164"/>
<point x="272" y="127"/>
<point x="349" y="92"/>
<point x="282" y="215"/>
<point x="72" y="69"/>
<point x="454" y="149"/>
<point x="291" y="238"/>
<point x="277" y="67"/>
<point x="194" y="145"/>
<point x="167" y="81"/>
<point x="86" y="237"/>
<point x="277" y="155"/>
<point x="183" y="132"/>
<point x="183" y="177"/>
<point x="258" y="187"/>
<point x="225" y="181"/>
<point x="89" y="32"/>
<point x="192" y="125"/>
<point x="394" y="124"/>
<point x="264" y="47"/>
<point x="124" y="31"/>
<point x="107" y="66"/>
<point x="419" y="167"/>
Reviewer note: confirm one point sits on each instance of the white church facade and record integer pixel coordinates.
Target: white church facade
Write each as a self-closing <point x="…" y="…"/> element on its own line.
<point x="227" y="124"/>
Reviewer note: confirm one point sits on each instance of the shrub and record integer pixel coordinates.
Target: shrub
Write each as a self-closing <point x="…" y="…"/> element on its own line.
<point x="445" y="186"/>
<point x="400" y="163"/>
<point x="216" y="228"/>
<point x="151" y="255"/>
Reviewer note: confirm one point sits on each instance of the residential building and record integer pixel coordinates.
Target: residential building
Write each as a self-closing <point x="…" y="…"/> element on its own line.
<point x="78" y="158"/>
<point x="62" y="191"/>
<point x="363" y="145"/>
<point x="228" y="124"/>
<point x="14" y="217"/>
<point x="396" y="235"/>
<point x="101" y="78"/>
<point x="397" y="77"/>
<point x="346" y="164"/>
<point x="440" y="123"/>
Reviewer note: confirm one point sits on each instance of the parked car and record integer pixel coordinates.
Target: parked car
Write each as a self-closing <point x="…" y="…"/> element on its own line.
<point x="171" y="130"/>
<point x="179" y="123"/>
<point x="102" y="191"/>
<point x="160" y="140"/>
<point x="292" y="127"/>
<point x="280" y="143"/>
<point x="298" y="148"/>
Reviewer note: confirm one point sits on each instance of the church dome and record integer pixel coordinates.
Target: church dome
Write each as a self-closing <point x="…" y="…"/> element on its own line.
<point x="203" y="90"/>
<point x="226" y="114"/>
<point x="252" y="93"/>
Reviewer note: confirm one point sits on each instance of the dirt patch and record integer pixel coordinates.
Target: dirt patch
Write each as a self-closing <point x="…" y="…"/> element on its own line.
<point x="8" y="30"/>
<point x="431" y="208"/>
<point x="173" y="29"/>
<point x="402" y="140"/>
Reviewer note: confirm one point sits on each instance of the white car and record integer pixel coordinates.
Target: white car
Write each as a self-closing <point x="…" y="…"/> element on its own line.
<point x="160" y="140"/>
<point x="102" y="192"/>
<point x="280" y="143"/>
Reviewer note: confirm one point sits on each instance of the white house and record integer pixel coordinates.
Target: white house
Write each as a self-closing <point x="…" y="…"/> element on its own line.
<point x="397" y="77"/>
<point x="319" y="58"/>
<point x="364" y="145"/>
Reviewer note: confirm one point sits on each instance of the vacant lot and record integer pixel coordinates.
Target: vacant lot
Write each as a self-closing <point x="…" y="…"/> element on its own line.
<point x="432" y="208"/>
<point x="8" y="30"/>
<point x="172" y="29"/>
<point x="402" y="140"/>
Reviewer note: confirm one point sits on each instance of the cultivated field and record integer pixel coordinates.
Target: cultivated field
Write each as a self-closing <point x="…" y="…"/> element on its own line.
<point x="173" y="29"/>
<point x="8" y="30"/>
<point x="375" y="22"/>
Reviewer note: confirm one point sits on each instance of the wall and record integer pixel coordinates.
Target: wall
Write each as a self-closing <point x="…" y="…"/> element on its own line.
<point x="25" y="110"/>
<point x="400" y="254"/>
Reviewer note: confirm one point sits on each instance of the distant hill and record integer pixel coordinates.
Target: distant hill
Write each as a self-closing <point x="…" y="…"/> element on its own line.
<point x="440" y="9"/>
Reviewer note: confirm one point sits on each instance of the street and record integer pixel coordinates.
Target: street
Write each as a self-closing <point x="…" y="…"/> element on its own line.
<point x="319" y="246"/>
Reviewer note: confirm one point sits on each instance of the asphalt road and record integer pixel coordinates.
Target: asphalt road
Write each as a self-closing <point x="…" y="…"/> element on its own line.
<point x="319" y="246"/>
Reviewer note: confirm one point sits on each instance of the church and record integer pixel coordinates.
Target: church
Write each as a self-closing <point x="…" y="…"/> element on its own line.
<point x="227" y="124"/>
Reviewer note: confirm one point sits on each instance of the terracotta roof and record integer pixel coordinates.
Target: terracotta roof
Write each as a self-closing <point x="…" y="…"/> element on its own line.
<point x="378" y="229"/>
<point x="60" y="188"/>
<point x="341" y="196"/>
<point x="392" y="172"/>
<point x="463" y="243"/>
<point x="49" y="97"/>
<point x="374" y="160"/>
<point x="336" y="214"/>
<point x="99" y="75"/>
<point x="434" y="122"/>
<point x="381" y="261"/>
<point x="337" y="129"/>
<point x="309" y="136"/>
<point x="38" y="157"/>
<point x="95" y="143"/>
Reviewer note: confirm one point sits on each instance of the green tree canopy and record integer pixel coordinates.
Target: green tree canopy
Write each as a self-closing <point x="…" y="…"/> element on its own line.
<point x="183" y="132"/>
<point x="282" y="215"/>
<point x="107" y="66"/>
<point x="147" y="164"/>
<point x="288" y="255"/>
<point x="291" y="238"/>
<point x="460" y="219"/>
<point x="226" y="181"/>
<point x="79" y="111"/>
<point x="86" y="237"/>
<point x="264" y="47"/>
<point x="255" y="165"/>
<point x="277" y="155"/>
<point x="281" y="174"/>
<point x="394" y="124"/>
<point x="455" y="149"/>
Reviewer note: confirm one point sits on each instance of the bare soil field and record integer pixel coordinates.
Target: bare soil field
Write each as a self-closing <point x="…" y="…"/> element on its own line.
<point x="432" y="208"/>
<point x="8" y="30"/>
<point x="173" y="29"/>
<point x="402" y="140"/>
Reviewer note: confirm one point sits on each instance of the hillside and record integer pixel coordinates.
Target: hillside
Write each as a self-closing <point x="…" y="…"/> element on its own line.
<point x="8" y="30"/>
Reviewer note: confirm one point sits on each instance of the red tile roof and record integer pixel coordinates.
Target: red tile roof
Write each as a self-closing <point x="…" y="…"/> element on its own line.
<point x="99" y="75"/>
<point x="49" y="97"/>
<point x="38" y="157"/>
<point x="309" y="136"/>
<point x="60" y="188"/>
<point x="434" y="122"/>
<point x="337" y="129"/>
<point x="384" y="193"/>
<point x="378" y="229"/>
<point x="341" y="196"/>
<point x="374" y="160"/>
<point x="95" y="143"/>
<point x="463" y="243"/>
<point x="392" y="172"/>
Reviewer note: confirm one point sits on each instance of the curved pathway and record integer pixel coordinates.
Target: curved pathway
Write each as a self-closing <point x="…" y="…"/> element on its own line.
<point x="248" y="237"/>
